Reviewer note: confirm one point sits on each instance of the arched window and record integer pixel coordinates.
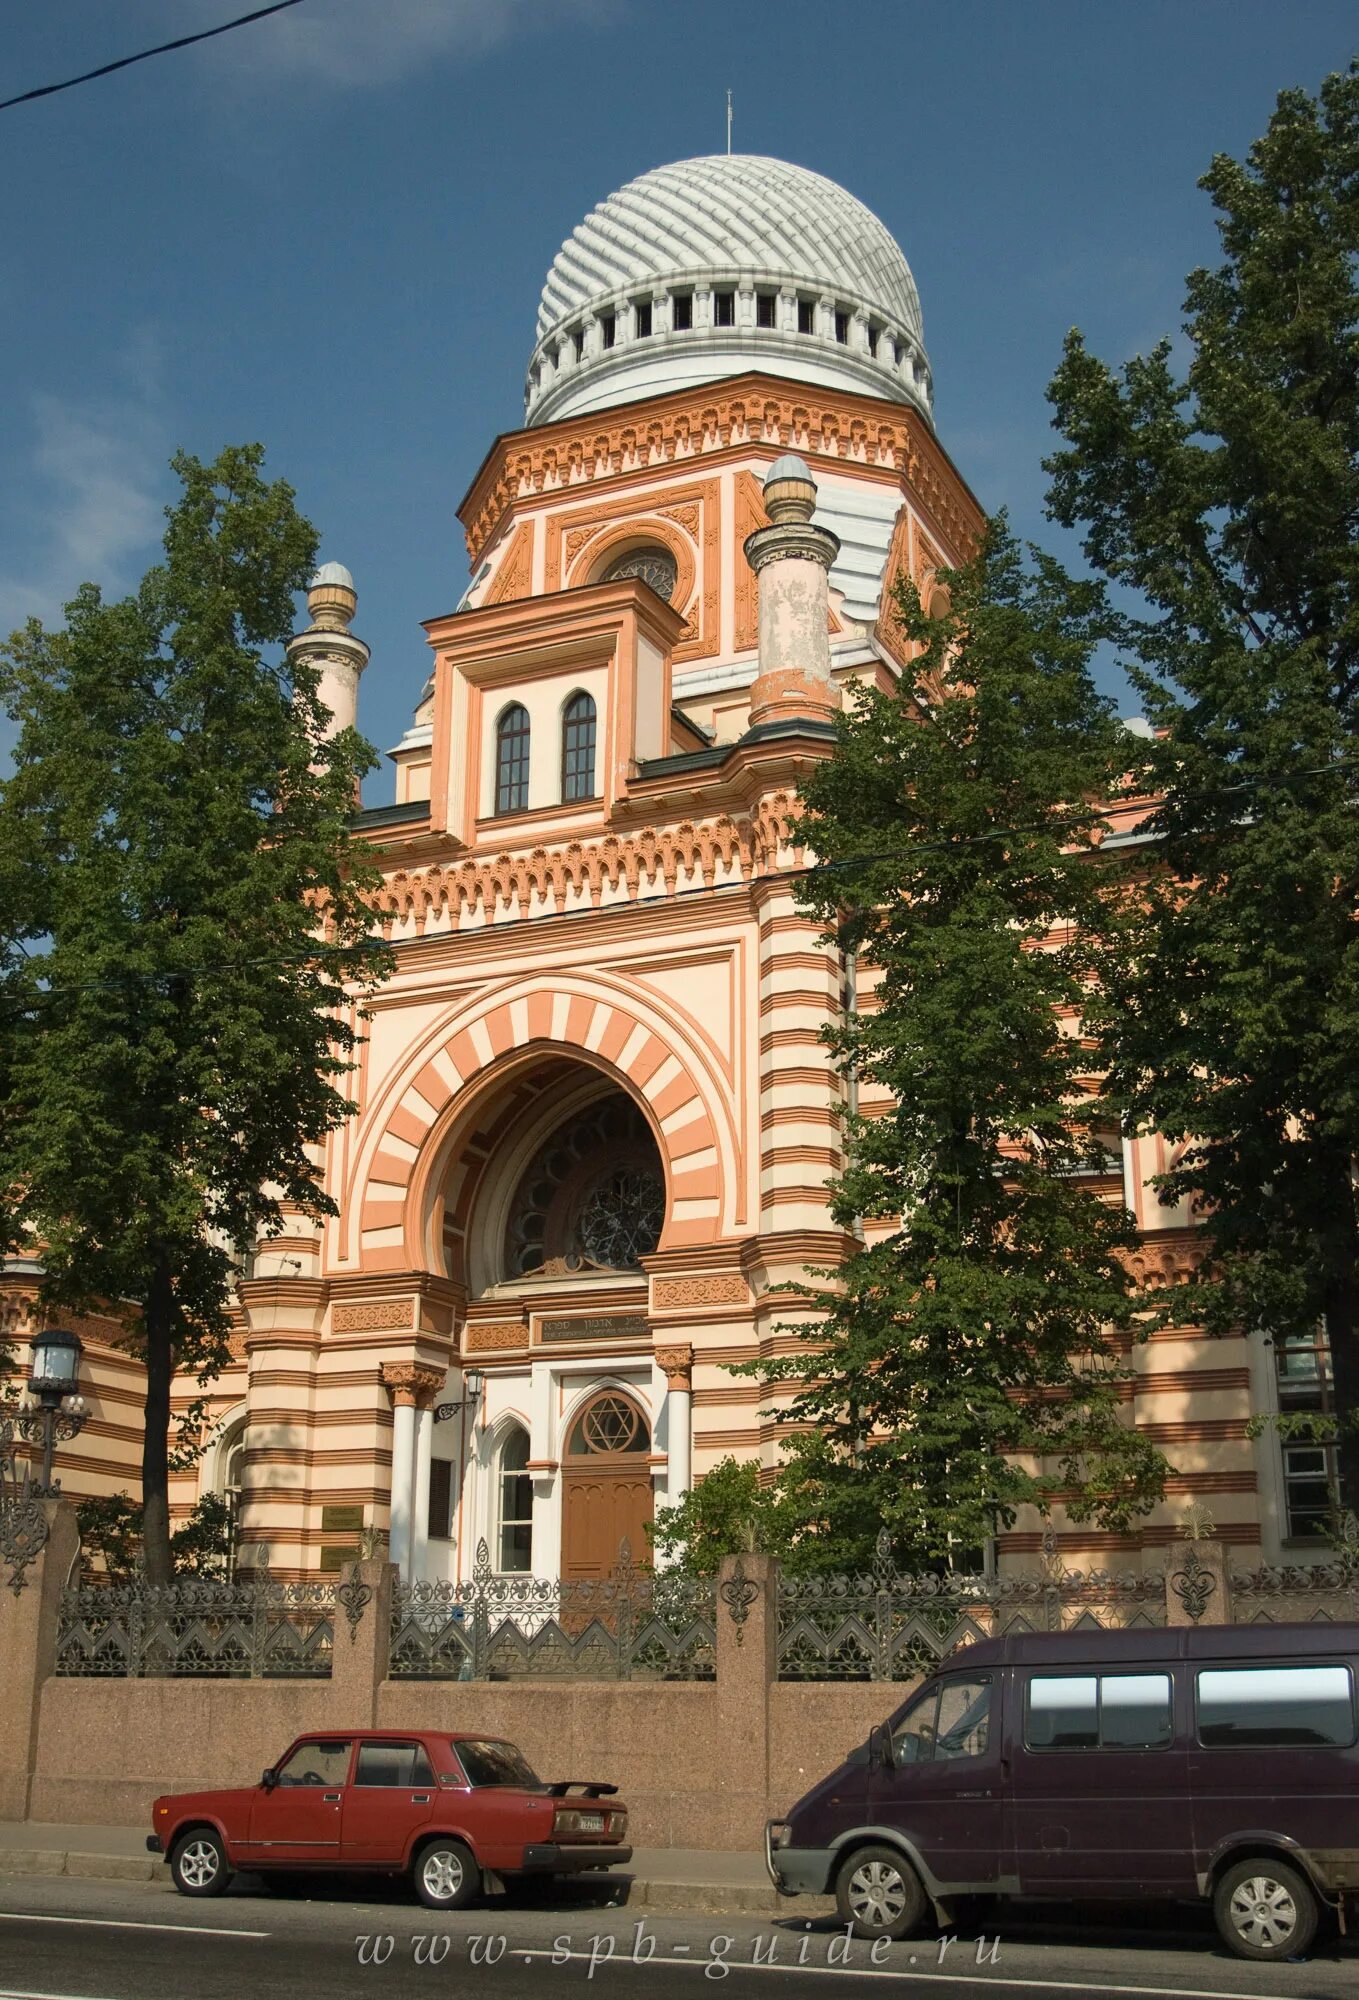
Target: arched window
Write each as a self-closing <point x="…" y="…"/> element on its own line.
<point x="512" y="760"/>
<point x="578" y="748"/>
<point x="610" y="1425"/>
<point x="652" y="563"/>
<point x="516" y="1501"/>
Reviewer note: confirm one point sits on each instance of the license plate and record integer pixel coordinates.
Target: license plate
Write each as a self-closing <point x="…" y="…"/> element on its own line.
<point x="592" y="1822"/>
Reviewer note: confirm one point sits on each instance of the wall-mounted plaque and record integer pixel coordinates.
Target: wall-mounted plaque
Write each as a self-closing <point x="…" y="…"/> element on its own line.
<point x="598" y="1326"/>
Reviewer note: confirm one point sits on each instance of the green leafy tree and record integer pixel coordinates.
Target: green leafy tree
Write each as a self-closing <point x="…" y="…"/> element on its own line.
<point x="728" y="1513"/>
<point x="971" y="1349"/>
<point x="110" y="1527"/>
<point x="1227" y="497"/>
<point x="197" y="898"/>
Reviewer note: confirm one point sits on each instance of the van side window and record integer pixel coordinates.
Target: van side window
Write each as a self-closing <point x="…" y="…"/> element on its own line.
<point x="1252" y="1706"/>
<point x="946" y="1722"/>
<point x="1098" y="1712"/>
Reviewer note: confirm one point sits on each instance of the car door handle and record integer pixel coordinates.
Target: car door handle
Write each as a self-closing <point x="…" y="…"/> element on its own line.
<point x="330" y="1798"/>
<point x="420" y="1798"/>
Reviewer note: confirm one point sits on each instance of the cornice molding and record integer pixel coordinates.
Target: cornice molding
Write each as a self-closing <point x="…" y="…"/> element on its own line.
<point x="830" y="427"/>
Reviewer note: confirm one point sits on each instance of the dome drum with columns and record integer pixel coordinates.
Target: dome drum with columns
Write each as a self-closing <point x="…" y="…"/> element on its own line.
<point x="595" y="1116"/>
<point x="712" y="266"/>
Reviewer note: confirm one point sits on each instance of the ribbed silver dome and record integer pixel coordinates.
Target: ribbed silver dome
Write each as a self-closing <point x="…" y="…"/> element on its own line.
<point x="774" y="267"/>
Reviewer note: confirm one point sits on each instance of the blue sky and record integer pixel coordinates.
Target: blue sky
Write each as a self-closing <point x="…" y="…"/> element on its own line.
<point x="328" y="232"/>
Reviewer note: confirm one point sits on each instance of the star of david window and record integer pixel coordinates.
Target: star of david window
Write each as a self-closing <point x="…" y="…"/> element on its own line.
<point x="610" y="1424"/>
<point x="593" y="1197"/>
<point x="653" y="564"/>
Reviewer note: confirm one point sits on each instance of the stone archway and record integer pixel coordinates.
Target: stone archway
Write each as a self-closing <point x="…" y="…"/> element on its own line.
<point x="606" y="1486"/>
<point x="440" y="1086"/>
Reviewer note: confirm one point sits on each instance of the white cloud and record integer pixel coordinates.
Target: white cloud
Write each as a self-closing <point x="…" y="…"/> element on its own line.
<point x="92" y="504"/>
<point x="353" y="43"/>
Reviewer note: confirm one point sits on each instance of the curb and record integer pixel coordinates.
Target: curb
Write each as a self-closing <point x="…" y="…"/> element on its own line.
<point x="669" y="1898"/>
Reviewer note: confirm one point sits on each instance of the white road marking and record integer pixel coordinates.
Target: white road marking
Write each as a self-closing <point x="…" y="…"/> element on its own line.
<point x="125" y="1924"/>
<point x="975" y="1976"/>
<point x="9" y="1994"/>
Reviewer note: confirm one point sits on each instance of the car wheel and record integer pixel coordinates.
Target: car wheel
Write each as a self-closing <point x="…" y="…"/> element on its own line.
<point x="879" y="1893"/>
<point x="199" y="1865"/>
<point x="446" y="1875"/>
<point x="1265" y="1909"/>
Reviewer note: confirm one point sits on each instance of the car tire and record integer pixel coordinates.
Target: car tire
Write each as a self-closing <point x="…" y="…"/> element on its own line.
<point x="878" y="1892"/>
<point x="446" y="1875"/>
<point x="199" y="1865"/>
<point x="1265" y="1909"/>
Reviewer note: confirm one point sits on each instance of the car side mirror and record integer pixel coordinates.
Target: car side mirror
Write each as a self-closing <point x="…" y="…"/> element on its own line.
<point x="270" y="1779"/>
<point x="880" y="1746"/>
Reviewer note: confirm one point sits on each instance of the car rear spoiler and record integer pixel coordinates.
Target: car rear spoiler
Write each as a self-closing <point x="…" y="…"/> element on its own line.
<point x="585" y="1785"/>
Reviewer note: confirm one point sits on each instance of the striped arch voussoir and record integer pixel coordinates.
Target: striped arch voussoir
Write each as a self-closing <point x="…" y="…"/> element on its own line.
<point x="595" y="1029"/>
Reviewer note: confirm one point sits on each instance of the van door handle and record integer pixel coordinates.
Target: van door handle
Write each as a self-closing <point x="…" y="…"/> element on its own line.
<point x="972" y="1795"/>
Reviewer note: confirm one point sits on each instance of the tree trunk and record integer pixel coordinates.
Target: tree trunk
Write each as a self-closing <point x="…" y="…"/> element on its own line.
<point x="158" y="1324"/>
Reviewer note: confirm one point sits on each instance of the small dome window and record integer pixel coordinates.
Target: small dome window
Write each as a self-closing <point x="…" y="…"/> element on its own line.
<point x="653" y="564"/>
<point x="806" y="315"/>
<point x="724" y="308"/>
<point x="641" y="319"/>
<point x="766" y="304"/>
<point x="842" y="326"/>
<point x="608" y="330"/>
<point x="682" y="312"/>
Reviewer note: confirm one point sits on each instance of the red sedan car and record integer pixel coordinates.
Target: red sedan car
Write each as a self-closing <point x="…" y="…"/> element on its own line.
<point x="449" y="1809"/>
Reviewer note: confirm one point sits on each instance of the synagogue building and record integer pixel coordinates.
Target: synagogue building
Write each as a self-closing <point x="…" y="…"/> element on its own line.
<point x="595" y="1114"/>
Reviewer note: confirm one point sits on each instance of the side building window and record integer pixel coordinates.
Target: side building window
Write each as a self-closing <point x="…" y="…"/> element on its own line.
<point x="578" y="748"/>
<point x="516" y="1502"/>
<point x="1303" y="1371"/>
<point x="512" y="760"/>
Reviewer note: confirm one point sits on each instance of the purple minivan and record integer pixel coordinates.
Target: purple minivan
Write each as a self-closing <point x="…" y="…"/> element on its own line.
<point x="1205" y="1762"/>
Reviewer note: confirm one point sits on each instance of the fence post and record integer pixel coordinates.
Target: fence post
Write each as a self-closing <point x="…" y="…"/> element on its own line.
<point x="1198" y="1583"/>
<point x="362" y="1639"/>
<point x="747" y="1669"/>
<point x="28" y="1651"/>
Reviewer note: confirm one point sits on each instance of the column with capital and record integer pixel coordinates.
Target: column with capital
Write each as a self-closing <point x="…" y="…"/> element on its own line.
<point x="411" y="1389"/>
<point x="677" y="1365"/>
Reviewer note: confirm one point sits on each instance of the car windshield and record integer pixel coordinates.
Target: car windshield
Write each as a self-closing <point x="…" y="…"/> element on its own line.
<point x="492" y="1763"/>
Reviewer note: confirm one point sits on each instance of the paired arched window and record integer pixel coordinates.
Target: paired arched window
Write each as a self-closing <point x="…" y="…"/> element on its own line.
<point x="512" y="760"/>
<point x="578" y="748"/>
<point x="515" y="1535"/>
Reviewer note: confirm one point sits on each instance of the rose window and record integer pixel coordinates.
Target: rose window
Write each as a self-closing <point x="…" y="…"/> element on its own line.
<point x="610" y="1424"/>
<point x="653" y="565"/>
<point x="593" y="1197"/>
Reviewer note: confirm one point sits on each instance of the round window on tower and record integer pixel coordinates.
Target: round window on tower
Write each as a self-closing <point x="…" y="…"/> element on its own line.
<point x="652" y="563"/>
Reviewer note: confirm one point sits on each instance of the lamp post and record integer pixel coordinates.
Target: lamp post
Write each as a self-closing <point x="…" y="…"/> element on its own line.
<point x="51" y="1411"/>
<point x="473" y="1382"/>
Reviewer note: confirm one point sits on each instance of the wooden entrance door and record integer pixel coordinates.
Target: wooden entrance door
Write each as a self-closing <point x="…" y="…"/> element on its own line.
<point x="606" y="1487"/>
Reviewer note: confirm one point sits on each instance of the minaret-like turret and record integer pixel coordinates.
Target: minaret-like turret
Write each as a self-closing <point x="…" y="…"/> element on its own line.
<point x="791" y="559"/>
<point x="330" y="647"/>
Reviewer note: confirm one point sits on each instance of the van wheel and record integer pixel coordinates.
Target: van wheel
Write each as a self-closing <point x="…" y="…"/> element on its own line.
<point x="879" y="1892"/>
<point x="1265" y="1909"/>
<point x="199" y="1866"/>
<point x="446" y="1875"/>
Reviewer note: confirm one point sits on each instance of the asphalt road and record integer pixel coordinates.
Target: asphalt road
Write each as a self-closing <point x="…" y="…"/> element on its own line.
<point x="65" y="1939"/>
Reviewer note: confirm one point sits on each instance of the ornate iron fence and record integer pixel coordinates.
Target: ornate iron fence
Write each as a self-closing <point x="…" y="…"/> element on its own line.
<point x="1298" y="1592"/>
<point x="888" y="1626"/>
<point x="255" y="1628"/>
<point x="630" y="1625"/>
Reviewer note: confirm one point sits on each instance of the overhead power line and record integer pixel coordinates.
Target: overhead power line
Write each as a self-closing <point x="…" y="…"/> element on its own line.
<point x="145" y="55"/>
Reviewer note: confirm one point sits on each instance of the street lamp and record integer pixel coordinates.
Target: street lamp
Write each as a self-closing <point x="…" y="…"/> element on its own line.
<point x="51" y="1412"/>
<point x="473" y="1382"/>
